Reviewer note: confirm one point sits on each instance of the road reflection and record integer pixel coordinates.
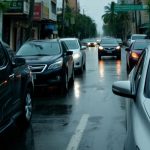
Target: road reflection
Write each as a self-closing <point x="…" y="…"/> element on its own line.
<point x="102" y="65"/>
<point x="77" y="89"/>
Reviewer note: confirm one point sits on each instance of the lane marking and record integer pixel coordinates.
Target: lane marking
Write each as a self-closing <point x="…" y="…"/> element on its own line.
<point x="76" y="138"/>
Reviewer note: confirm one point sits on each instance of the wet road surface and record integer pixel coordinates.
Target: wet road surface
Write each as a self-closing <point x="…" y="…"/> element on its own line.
<point x="89" y="117"/>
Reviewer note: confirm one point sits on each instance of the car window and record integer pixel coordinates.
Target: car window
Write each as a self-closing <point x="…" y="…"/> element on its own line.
<point x="39" y="48"/>
<point x="3" y="59"/>
<point x="64" y="47"/>
<point x="147" y="83"/>
<point x="109" y="41"/>
<point x="72" y="44"/>
<point x="139" y="45"/>
<point x="135" y="37"/>
<point x="138" y="70"/>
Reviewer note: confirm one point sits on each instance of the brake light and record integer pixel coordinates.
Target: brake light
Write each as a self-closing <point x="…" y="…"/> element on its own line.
<point x="134" y="55"/>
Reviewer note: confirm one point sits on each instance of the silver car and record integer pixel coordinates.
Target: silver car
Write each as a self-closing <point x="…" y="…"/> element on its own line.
<point x="137" y="90"/>
<point x="79" y="54"/>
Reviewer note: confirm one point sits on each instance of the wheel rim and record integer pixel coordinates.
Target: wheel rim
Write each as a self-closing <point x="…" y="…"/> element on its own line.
<point x="28" y="107"/>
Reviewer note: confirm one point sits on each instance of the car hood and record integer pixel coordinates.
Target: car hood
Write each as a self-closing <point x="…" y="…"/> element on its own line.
<point x="40" y="59"/>
<point x="109" y="45"/>
<point x="75" y="50"/>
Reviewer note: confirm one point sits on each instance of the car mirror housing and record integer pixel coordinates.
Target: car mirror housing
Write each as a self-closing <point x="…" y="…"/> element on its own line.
<point x="83" y="47"/>
<point x="19" y="62"/>
<point x="123" y="88"/>
<point x="69" y="53"/>
<point x="127" y="49"/>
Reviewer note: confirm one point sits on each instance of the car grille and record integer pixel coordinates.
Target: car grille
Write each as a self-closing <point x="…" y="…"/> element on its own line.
<point x="37" y="68"/>
<point x="109" y="49"/>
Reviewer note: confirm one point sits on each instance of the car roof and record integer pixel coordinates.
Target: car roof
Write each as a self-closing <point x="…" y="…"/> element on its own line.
<point x="68" y="39"/>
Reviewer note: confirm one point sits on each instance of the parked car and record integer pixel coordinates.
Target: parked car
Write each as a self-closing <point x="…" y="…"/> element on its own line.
<point x="135" y="37"/>
<point x="90" y="42"/>
<point x="50" y="62"/>
<point x="109" y="47"/>
<point x="79" y="54"/>
<point x="16" y="89"/>
<point x="136" y="91"/>
<point x="134" y="52"/>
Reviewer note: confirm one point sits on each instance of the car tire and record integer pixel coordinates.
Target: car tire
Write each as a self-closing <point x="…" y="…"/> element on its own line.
<point x="99" y="57"/>
<point x="65" y="84"/>
<point x="27" y="107"/>
<point x="84" y="66"/>
<point x="72" y="78"/>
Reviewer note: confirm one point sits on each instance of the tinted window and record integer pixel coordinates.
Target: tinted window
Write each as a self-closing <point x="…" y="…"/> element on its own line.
<point x="109" y="41"/>
<point x="39" y="48"/>
<point x="140" y="45"/>
<point x="135" y="37"/>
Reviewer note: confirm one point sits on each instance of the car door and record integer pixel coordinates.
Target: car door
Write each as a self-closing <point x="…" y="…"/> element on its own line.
<point x="6" y="80"/>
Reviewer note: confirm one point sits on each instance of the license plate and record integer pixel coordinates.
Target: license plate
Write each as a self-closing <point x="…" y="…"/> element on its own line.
<point x="109" y="52"/>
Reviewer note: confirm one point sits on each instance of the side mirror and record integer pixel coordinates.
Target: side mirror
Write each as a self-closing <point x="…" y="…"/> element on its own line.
<point x="122" y="88"/>
<point x="127" y="49"/>
<point x="83" y="47"/>
<point x="19" y="62"/>
<point x="69" y="53"/>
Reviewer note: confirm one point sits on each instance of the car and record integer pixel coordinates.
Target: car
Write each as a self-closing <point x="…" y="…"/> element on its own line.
<point x="119" y="40"/>
<point x="16" y="89"/>
<point x="50" y="62"/>
<point x="79" y="54"/>
<point x="89" y="42"/>
<point x="134" y="51"/>
<point x="136" y="90"/>
<point x="135" y="37"/>
<point x="109" y="47"/>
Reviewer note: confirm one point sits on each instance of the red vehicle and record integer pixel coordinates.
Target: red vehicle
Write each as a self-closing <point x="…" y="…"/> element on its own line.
<point x="134" y="52"/>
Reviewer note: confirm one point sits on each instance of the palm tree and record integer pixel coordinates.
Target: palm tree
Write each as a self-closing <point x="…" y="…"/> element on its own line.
<point x="109" y="17"/>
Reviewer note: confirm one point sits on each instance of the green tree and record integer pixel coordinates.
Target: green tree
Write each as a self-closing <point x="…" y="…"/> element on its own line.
<point x="109" y="18"/>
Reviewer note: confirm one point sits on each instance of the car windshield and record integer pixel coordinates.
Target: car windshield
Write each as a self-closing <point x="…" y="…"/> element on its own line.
<point x="72" y="44"/>
<point x="108" y="41"/>
<point x="140" y="45"/>
<point x="39" y="49"/>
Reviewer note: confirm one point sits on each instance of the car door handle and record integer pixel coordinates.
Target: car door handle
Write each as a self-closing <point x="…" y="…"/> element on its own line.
<point x="12" y="75"/>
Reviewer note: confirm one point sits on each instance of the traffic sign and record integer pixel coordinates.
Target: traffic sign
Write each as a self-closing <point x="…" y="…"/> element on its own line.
<point x="129" y="7"/>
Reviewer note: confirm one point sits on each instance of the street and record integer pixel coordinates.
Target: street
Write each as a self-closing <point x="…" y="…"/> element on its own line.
<point x="90" y="117"/>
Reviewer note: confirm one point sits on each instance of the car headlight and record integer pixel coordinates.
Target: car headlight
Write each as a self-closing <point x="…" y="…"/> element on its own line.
<point x="101" y="48"/>
<point x="76" y="55"/>
<point x="118" y="47"/>
<point x="57" y="64"/>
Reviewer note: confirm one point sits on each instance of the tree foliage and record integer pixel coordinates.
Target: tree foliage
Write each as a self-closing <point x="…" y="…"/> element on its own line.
<point x="76" y="25"/>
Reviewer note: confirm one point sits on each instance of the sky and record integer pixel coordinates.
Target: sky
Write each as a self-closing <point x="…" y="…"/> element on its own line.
<point x="94" y="9"/>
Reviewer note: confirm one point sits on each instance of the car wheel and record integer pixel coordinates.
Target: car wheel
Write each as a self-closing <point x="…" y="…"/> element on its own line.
<point x="84" y="67"/>
<point x="27" y="108"/>
<point x="72" y="78"/>
<point x="65" y="84"/>
<point x="99" y="57"/>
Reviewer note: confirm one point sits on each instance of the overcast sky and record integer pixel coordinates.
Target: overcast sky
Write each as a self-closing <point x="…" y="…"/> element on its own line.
<point x="94" y="9"/>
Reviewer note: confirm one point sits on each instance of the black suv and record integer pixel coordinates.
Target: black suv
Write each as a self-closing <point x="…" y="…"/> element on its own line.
<point x="50" y="61"/>
<point x="16" y="88"/>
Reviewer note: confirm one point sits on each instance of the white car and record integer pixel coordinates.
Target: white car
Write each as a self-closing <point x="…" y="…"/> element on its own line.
<point x="79" y="54"/>
<point x="137" y="92"/>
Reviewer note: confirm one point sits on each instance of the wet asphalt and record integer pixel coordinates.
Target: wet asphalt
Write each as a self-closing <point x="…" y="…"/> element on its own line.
<point x="89" y="117"/>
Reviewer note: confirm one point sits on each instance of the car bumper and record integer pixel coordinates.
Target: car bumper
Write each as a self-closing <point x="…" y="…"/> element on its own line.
<point x="109" y="53"/>
<point x="48" y="78"/>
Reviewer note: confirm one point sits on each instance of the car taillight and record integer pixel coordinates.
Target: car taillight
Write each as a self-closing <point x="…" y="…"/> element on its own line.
<point x="134" y="55"/>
